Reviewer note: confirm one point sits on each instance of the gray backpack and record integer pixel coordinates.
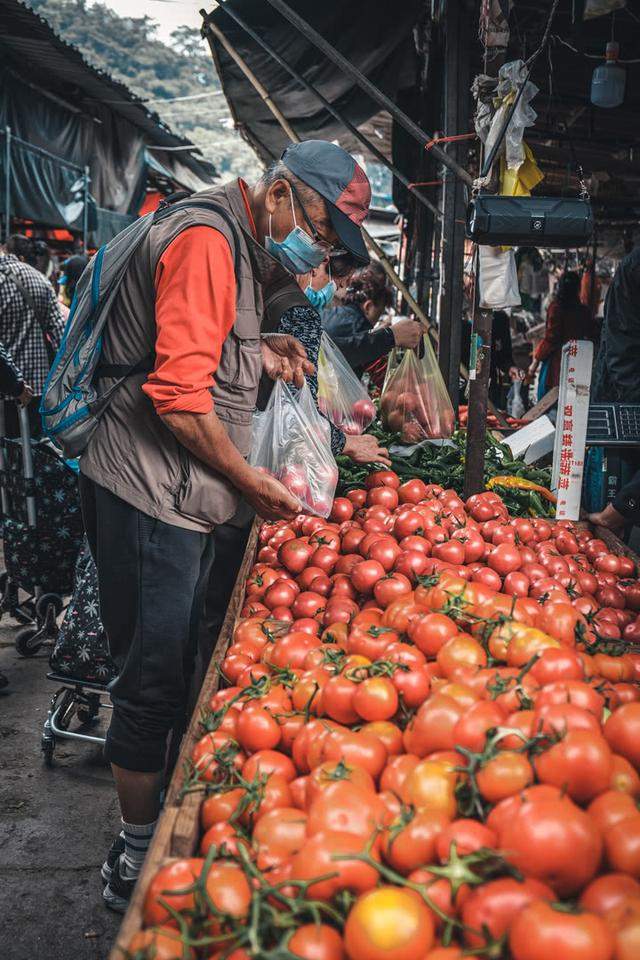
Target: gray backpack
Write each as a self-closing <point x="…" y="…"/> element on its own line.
<point x="72" y="402"/>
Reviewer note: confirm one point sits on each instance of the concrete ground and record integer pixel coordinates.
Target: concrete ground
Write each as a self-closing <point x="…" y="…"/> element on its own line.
<point x="55" y="826"/>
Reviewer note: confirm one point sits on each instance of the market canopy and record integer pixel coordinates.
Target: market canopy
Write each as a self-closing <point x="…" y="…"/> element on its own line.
<point x="65" y="114"/>
<point x="377" y="39"/>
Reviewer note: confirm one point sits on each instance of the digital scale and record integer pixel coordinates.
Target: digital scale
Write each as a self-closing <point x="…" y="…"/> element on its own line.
<point x="614" y="425"/>
<point x="615" y="428"/>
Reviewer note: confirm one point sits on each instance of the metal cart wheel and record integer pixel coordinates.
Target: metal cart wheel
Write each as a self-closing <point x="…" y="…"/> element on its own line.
<point x="46" y="601"/>
<point x="89" y="711"/>
<point x="29" y="640"/>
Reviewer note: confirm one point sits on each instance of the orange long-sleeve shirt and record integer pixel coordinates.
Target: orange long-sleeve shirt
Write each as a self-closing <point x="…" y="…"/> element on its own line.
<point x="195" y="311"/>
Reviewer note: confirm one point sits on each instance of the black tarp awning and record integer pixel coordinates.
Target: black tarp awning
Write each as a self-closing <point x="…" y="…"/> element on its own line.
<point x="63" y="115"/>
<point x="379" y="45"/>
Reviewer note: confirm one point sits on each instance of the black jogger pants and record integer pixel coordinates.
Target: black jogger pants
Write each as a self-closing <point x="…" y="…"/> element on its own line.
<point x="152" y="577"/>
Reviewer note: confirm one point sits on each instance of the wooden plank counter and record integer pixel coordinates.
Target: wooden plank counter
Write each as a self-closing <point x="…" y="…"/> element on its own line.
<point x="177" y="833"/>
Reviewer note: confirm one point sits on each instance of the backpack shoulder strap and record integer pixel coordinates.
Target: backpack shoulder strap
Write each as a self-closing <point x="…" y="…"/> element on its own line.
<point x="146" y="364"/>
<point x="13" y="278"/>
<point x="189" y="204"/>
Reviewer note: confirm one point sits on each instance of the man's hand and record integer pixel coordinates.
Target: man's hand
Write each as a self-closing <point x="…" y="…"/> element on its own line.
<point x="406" y="333"/>
<point x="284" y="358"/>
<point x="270" y="498"/>
<point x="366" y="449"/>
<point x="26" y="396"/>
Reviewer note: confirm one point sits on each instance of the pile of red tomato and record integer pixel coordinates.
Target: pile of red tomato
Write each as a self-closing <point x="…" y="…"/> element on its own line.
<point x="428" y="747"/>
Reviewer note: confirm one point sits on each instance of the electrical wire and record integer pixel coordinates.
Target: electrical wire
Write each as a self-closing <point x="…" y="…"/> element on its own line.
<point x="581" y="53"/>
<point x="545" y="36"/>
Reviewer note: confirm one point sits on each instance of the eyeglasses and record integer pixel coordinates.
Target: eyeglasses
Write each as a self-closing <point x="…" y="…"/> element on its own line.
<point x="315" y="233"/>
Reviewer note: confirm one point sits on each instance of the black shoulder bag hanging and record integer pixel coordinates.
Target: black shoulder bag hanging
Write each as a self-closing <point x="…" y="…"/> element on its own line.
<point x="530" y="221"/>
<point x="497" y="221"/>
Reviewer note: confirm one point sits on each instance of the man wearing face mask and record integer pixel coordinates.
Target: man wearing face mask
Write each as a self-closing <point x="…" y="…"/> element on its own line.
<point x="165" y="467"/>
<point x="350" y="323"/>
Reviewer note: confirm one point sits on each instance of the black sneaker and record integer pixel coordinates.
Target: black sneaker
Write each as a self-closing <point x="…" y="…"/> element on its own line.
<point x="117" y="892"/>
<point x="117" y="847"/>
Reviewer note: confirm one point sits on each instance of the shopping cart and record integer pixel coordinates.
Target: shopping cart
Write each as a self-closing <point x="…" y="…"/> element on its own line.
<point x="80" y="664"/>
<point x="41" y="533"/>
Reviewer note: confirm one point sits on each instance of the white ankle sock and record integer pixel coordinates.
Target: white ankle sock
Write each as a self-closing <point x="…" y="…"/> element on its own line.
<point x="137" y="838"/>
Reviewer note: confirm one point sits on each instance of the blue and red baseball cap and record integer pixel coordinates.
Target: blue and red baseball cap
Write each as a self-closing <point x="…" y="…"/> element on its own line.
<point x="341" y="182"/>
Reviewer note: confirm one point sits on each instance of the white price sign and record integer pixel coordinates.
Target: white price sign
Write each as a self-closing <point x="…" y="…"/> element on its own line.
<point x="571" y="427"/>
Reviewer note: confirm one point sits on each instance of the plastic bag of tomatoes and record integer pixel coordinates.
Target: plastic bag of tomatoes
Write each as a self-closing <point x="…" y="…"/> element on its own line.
<point x="291" y="441"/>
<point x="341" y="396"/>
<point x="414" y="400"/>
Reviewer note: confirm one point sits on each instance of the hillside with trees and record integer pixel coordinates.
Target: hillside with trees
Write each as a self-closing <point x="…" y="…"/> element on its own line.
<point x="128" y="48"/>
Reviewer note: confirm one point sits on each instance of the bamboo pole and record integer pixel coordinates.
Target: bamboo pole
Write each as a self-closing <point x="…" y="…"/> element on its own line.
<point x="212" y="28"/>
<point x="369" y="88"/>
<point x="429" y="327"/>
<point x="260" y="89"/>
<point x="329" y="107"/>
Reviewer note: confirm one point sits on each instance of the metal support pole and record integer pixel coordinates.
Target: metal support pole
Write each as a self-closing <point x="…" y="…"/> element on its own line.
<point x="85" y="210"/>
<point x="7" y="182"/>
<point x="367" y="144"/>
<point x="27" y="465"/>
<point x="478" y="397"/>
<point x="4" y="497"/>
<point x="456" y="117"/>
<point x="479" y="368"/>
<point x="592" y="275"/>
<point x="369" y="88"/>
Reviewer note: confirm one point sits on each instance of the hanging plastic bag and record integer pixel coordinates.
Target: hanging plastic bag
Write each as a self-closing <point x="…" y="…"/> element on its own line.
<point x="393" y="362"/>
<point x="515" y="403"/>
<point x="498" y="278"/>
<point x="415" y="402"/>
<point x="341" y="396"/>
<point x="291" y="441"/>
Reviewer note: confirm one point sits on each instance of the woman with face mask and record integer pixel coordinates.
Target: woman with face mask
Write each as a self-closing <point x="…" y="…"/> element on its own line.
<point x="351" y="323"/>
<point x="302" y="320"/>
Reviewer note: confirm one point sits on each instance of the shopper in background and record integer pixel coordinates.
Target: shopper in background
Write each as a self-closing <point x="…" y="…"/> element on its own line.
<point x="616" y="379"/>
<point x="72" y="270"/>
<point x="12" y="384"/>
<point x="567" y="319"/>
<point x="351" y="323"/>
<point x="590" y="288"/>
<point x="31" y="322"/>
<point x="616" y="376"/>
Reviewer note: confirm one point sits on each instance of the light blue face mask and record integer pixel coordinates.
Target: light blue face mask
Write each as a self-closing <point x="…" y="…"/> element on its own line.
<point x="321" y="298"/>
<point x="297" y="253"/>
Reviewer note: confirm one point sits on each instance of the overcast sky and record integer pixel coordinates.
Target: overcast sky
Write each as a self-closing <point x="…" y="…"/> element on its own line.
<point x="169" y="14"/>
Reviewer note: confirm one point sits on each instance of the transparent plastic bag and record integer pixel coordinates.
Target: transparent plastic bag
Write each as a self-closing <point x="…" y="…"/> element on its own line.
<point x="415" y="402"/>
<point x="291" y="441"/>
<point x="341" y="397"/>
<point x="515" y="403"/>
